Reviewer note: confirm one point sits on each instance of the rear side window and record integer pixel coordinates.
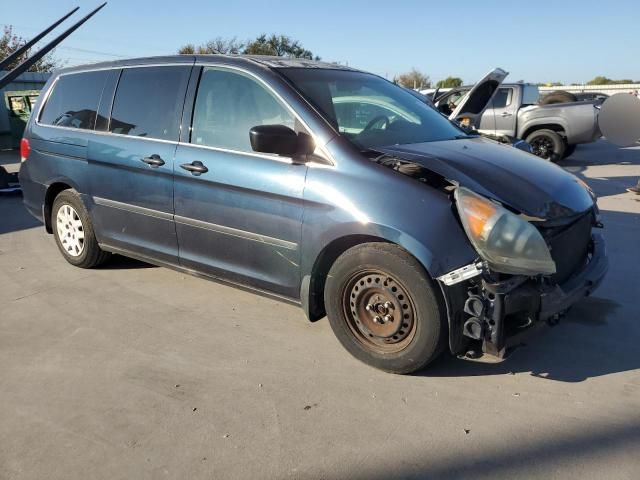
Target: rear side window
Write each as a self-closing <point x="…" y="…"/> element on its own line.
<point x="74" y="100"/>
<point x="148" y="102"/>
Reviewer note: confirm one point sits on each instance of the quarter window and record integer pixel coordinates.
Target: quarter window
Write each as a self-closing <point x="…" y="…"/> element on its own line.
<point x="228" y="105"/>
<point x="148" y="102"/>
<point x="74" y="100"/>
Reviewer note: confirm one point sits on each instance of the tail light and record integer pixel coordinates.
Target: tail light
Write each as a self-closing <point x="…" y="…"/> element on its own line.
<point x="25" y="149"/>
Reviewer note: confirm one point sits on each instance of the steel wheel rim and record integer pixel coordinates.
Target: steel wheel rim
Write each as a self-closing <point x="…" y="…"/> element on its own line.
<point x="70" y="230"/>
<point x="542" y="147"/>
<point x="379" y="312"/>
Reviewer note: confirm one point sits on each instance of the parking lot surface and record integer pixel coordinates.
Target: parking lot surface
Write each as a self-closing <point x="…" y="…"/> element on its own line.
<point x="134" y="371"/>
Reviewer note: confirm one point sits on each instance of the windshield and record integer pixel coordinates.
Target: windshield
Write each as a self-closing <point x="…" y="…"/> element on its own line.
<point x="370" y="111"/>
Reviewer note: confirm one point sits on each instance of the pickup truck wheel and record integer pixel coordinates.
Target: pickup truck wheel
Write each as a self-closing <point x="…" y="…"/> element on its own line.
<point x="547" y="144"/>
<point x="73" y="231"/>
<point x="383" y="308"/>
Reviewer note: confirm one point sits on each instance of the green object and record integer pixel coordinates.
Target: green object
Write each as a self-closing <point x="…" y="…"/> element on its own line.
<point x="20" y="104"/>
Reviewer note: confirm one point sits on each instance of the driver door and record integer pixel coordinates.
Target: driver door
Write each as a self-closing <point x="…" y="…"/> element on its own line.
<point x="504" y="110"/>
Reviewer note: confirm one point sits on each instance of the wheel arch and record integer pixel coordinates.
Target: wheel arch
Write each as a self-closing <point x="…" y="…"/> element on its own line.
<point x="53" y="190"/>
<point x="313" y="283"/>
<point x="556" y="127"/>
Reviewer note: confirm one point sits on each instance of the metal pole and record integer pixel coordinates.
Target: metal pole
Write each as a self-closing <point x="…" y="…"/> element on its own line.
<point x="29" y="62"/>
<point x="15" y="55"/>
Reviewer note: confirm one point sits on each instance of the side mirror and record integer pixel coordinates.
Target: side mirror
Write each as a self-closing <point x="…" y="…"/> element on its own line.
<point x="281" y="140"/>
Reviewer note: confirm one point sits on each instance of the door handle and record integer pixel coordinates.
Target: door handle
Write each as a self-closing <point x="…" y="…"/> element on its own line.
<point x="506" y="114"/>
<point x="196" y="167"/>
<point x="153" y="160"/>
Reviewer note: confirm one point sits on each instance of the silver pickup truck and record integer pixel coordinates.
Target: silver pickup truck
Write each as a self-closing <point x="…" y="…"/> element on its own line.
<point x="552" y="130"/>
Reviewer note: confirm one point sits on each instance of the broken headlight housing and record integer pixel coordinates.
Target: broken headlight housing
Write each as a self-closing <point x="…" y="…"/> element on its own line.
<point x="506" y="242"/>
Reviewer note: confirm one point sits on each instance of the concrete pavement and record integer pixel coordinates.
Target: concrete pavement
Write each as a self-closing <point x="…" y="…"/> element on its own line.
<point x="133" y="371"/>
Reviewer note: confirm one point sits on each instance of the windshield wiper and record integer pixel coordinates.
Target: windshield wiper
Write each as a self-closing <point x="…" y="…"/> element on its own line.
<point x="370" y="152"/>
<point x="464" y="137"/>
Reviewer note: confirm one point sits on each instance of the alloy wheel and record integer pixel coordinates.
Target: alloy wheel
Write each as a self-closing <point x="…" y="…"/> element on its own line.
<point x="542" y="147"/>
<point x="70" y="230"/>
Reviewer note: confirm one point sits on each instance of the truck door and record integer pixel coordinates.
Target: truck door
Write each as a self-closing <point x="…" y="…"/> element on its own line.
<point x="504" y="108"/>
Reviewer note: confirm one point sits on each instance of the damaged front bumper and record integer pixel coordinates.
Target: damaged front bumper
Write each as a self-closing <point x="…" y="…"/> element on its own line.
<point x="495" y="312"/>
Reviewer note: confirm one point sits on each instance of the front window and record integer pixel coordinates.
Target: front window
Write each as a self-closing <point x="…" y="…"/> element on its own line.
<point x="370" y="111"/>
<point x="228" y="105"/>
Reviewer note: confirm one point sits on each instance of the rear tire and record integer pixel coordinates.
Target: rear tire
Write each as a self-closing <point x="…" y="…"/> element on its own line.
<point x="384" y="309"/>
<point x="547" y="144"/>
<point x="73" y="231"/>
<point x="559" y="96"/>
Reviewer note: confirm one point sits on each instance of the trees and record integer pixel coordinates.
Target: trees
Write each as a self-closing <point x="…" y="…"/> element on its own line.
<point x="277" y="45"/>
<point x="217" y="45"/>
<point x="413" y="79"/>
<point x="10" y="42"/>
<point x="449" y="82"/>
<point x="602" y="80"/>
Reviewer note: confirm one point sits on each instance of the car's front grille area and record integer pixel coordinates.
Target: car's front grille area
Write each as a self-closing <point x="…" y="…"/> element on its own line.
<point x="569" y="248"/>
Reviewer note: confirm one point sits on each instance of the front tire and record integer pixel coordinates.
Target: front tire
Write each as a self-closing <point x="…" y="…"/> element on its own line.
<point x="384" y="309"/>
<point x="73" y="231"/>
<point x="547" y="144"/>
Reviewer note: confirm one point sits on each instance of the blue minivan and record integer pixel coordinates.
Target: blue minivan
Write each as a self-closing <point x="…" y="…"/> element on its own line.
<point x="316" y="184"/>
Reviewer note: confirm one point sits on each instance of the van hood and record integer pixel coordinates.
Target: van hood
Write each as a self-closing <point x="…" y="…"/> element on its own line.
<point x="522" y="181"/>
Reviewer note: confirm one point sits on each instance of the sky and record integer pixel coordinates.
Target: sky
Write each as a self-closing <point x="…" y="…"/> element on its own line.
<point x="536" y="41"/>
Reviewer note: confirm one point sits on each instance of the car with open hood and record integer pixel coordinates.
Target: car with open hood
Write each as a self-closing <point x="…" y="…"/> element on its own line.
<point x="553" y="126"/>
<point x="316" y="184"/>
<point x="467" y="107"/>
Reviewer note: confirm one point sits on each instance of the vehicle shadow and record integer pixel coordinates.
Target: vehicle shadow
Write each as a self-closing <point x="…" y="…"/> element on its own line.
<point x="9" y="157"/>
<point x="523" y="457"/>
<point x="602" y="153"/>
<point x="605" y="186"/>
<point x="118" y="262"/>
<point x="584" y="345"/>
<point x="13" y="216"/>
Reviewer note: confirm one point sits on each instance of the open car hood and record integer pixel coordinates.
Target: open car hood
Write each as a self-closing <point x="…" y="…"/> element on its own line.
<point x="519" y="180"/>
<point x="475" y="102"/>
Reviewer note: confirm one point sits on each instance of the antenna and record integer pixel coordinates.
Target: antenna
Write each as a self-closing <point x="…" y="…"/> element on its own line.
<point x="29" y="62"/>
<point x="15" y="55"/>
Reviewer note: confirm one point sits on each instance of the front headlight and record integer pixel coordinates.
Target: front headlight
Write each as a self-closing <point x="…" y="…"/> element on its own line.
<point x="505" y="241"/>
